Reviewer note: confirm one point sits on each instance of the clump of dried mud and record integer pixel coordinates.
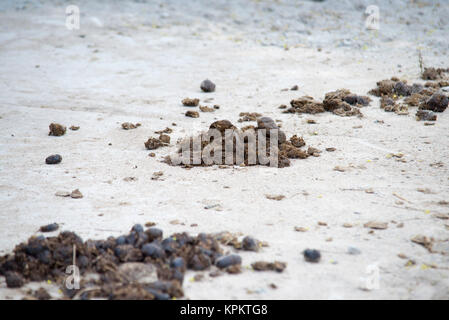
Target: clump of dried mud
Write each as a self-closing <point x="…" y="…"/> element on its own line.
<point x="140" y="265"/>
<point x="56" y="129"/>
<point x="285" y="149"/>
<point x="398" y="96"/>
<point x="340" y="102"/>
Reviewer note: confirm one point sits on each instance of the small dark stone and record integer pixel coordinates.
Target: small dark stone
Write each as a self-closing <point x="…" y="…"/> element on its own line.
<point x="250" y="244"/>
<point x="158" y="295"/>
<point x="14" y="279"/>
<point x="312" y="255"/>
<point x="207" y="86"/>
<point x="49" y="227"/>
<point x="53" y="159"/>
<point x="227" y="261"/>
<point x="152" y="250"/>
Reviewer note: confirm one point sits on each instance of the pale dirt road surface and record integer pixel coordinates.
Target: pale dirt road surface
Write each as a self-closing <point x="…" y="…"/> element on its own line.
<point x="136" y="60"/>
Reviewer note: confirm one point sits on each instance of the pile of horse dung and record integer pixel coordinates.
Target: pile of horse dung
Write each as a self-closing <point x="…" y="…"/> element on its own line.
<point x="139" y="265"/>
<point x="225" y="144"/>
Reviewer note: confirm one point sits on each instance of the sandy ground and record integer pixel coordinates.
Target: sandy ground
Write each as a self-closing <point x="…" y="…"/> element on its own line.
<point x="135" y="61"/>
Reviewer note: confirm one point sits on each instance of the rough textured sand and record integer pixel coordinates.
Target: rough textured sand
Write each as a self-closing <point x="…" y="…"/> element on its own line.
<point x="136" y="61"/>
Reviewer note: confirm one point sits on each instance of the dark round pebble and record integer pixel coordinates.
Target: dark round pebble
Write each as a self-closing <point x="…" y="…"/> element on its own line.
<point x="207" y="86"/>
<point x="152" y="250"/>
<point x="312" y="255"/>
<point x="49" y="227"/>
<point x="227" y="261"/>
<point x="53" y="159"/>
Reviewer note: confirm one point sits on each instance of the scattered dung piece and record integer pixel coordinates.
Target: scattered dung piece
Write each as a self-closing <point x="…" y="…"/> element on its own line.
<point x="297" y="142"/>
<point x="14" y="279"/>
<point x="347" y="225"/>
<point x="331" y="149"/>
<point x="294" y="88"/>
<point x="62" y="194"/>
<point x="322" y="223"/>
<point x="301" y="229"/>
<point x="228" y="261"/>
<point x="376" y="225"/>
<point x="443" y="216"/>
<point x="234" y="269"/>
<point x="157" y="175"/>
<point x="150" y="224"/>
<point x="53" y="159"/>
<point x="438" y="102"/>
<point x="190" y="102"/>
<point x="206" y="109"/>
<point x="164" y="138"/>
<point x="166" y="131"/>
<point x="74" y="128"/>
<point x="192" y="114"/>
<point x="152" y="154"/>
<point x="154" y="143"/>
<point x="49" y="227"/>
<point x="313" y="152"/>
<point x="425" y="115"/>
<point x="426" y="242"/>
<point x="129" y="125"/>
<point x="207" y="86"/>
<point x="76" y="194"/>
<point x="269" y="266"/>
<point x="130" y="179"/>
<point x="305" y="104"/>
<point x="249" y="116"/>
<point x="435" y="73"/>
<point x="250" y="244"/>
<point x="41" y="294"/>
<point x="57" y="129"/>
<point x="312" y="255"/>
<point x="275" y="197"/>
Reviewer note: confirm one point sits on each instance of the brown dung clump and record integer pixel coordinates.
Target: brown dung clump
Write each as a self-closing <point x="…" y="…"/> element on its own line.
<point x="56" y="129"/>
<point x="435" y="74"/>
<point x="190" y="102"/>
<point x="207" y="151"/>
<point x="340" y="102"/>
